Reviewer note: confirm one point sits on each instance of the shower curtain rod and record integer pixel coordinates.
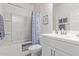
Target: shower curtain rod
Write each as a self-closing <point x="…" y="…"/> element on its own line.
<point x="16" y="5"/>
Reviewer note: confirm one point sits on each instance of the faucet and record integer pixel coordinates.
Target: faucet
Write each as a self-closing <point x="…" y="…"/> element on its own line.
<point x="56" y="31"/>
<point x="63" y="31"/>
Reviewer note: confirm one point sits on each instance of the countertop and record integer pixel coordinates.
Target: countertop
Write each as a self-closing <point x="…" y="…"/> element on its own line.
<point x="71" y="37"/>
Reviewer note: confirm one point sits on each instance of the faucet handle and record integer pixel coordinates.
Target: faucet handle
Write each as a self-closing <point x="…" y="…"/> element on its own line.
<point x="56" y="31"/>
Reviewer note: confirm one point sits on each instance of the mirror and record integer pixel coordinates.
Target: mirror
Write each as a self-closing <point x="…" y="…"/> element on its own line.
<point x="66" y="16"/>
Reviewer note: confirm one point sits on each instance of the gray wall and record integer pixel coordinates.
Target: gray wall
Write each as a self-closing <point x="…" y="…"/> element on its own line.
<point x="45" y="9"/>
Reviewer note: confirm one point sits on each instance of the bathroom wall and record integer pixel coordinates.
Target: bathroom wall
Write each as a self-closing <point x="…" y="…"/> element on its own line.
<point x="1" y="8"/>
<point x="62" y="10"/>
<point x="45" y="9"/>
<point x="12" y="23"/>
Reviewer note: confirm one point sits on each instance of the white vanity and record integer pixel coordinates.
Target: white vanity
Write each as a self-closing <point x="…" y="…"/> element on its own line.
<point x="60" y="45"/>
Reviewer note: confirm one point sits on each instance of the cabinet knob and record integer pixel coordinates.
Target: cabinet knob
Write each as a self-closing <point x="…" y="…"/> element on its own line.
<point x="52" y="52"/>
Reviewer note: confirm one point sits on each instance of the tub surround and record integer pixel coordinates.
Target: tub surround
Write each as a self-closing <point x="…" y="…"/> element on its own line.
<point x="13" y="48"/>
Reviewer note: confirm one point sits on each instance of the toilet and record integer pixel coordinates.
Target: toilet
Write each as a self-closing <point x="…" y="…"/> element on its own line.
<point x="35" y="50"/>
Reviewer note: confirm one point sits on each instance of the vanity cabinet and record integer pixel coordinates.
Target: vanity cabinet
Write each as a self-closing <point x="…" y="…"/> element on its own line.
<point x="46" y="50"/>
<point x="56" y="47"/>
<point x="50" y="51"/>
<point x="59" y="53"/>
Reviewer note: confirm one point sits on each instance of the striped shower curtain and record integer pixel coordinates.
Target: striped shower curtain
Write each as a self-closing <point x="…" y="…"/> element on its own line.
<point x="35" y="27"/>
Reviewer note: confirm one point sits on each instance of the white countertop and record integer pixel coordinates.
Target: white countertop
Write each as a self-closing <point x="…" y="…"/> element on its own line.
<point x="70" y="37"/>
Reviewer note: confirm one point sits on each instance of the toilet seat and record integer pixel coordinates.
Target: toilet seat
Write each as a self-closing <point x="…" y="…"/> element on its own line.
<point x="35" y="47"/>
<point x="35" y="50"/>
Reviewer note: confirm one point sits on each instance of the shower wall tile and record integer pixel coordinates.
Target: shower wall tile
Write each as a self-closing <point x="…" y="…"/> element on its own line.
<point x="7" y="27"/>
<point x="17" y="28"/>
<point x="7" y="37"/>
<point x="7" y="16"/>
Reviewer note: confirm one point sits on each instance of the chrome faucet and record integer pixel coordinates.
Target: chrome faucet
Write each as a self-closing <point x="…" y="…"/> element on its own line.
<point x="56" y="31"/>
<point x="63" y="31"/>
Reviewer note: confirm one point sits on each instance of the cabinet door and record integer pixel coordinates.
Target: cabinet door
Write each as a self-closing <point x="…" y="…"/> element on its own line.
<point x="60" y="53"/>
<point x="52" y="52"/>
<point x="46" y="50"/>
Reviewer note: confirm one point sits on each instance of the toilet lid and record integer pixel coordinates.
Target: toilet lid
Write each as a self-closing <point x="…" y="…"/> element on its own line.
<point x="34" y="47"/>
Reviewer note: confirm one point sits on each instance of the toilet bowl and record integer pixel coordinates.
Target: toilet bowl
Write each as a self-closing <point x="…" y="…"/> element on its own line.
<point x="35" y="50"/>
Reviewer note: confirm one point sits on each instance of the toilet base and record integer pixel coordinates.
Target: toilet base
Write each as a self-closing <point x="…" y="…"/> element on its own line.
<point x="35" y="50"/>
<point x="37" y="54"/>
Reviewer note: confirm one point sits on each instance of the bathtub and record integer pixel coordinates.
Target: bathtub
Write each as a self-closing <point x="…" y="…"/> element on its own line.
<point x="12" y="49"/>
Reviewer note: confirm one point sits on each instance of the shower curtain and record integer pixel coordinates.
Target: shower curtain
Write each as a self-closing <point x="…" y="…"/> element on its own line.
<point x="35" y="27"/>
<point x="2" y="32"/>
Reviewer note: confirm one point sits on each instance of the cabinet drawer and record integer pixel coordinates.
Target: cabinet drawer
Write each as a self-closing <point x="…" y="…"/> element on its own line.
<point x="62" y="45"/>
